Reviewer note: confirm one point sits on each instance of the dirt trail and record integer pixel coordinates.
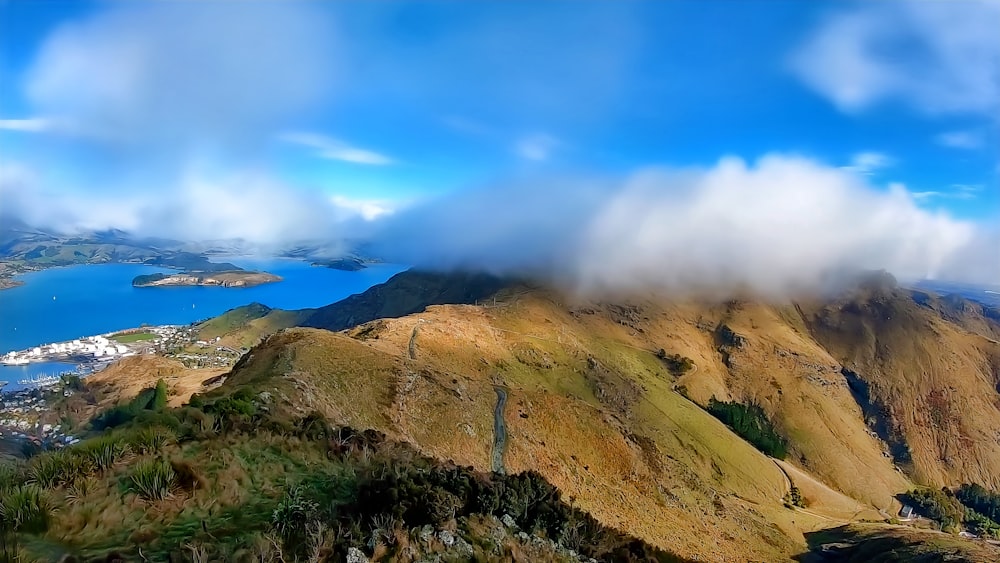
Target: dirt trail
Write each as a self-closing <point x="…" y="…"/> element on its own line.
<point x="499" y="430"/>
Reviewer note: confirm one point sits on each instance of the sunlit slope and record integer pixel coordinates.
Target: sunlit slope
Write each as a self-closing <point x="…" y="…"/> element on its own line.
<point x="933" y="384"/>
<point x="596" y="417"/>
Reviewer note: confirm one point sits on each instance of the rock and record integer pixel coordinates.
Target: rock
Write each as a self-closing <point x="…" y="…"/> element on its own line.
<point x="355" y="555"/>
<point x="447" y="538"/>
<point x="508" y="521"/>
<point x="522" y="536"/>
<point x="426" y="533"/>
<point x="463" y="547"/>
<point x="265" y="397"/>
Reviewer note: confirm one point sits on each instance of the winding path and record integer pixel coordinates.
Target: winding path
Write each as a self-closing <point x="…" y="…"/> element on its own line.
<point x="499" y="430"/>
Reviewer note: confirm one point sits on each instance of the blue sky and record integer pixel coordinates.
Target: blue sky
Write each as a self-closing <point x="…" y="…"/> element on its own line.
<point x="381" y="105"/>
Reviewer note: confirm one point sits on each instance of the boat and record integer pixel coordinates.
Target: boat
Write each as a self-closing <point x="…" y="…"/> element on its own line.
<point x="39" y="381"/>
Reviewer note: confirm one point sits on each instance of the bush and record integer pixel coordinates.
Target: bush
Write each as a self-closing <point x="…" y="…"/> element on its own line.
<point x="152" y="479"/>
<point x="160" y="396"/>
<point x="152" y="399"/>
<point x="752" y="424"/>
<point x="677" y="365"/>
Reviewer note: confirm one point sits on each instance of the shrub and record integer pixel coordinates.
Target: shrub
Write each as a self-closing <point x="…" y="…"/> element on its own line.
<point x="152" y="479"/>
<point x="676" y="364"/>
<point x="122" y="414"/>
<point x="752" y="424"/>
<point x="160" y="395"/>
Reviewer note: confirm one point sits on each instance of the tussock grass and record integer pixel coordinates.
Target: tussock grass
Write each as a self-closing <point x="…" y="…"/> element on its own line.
<point x="56" y="468"/>
<point x="150" y="440"/>
<point x="104" y="452"/>
<point x="152" y="479"/>
<point x="24" y="509"/>
<point x="11" y="475"/>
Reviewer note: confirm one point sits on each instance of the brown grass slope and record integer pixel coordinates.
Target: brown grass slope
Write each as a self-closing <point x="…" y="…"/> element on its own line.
<point x="591" y="408"/>
<point x="933" y="382"/>
<point x="594" y="410"/>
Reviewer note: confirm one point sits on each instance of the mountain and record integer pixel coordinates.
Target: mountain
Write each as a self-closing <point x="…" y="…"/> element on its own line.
<point x="617" y="404"/>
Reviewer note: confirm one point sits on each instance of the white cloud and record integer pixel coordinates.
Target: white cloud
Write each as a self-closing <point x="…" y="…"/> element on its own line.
<point x="334" y="149"/>
<point x="869" y="162"/>
<point x="249" y="205"/>
<point x="955" y="191"/>
<point x="537" y="146"/>
<point x="961" y="139"/>
<point x="939" y="57"/>
<point x="28" y="125"/>
<point x="780" y="225"/>
<point x="369" y="210"/>
<point x="184" y="73"/>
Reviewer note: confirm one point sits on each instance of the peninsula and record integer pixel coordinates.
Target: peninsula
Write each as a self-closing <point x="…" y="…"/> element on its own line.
<point x="230" y="278"/>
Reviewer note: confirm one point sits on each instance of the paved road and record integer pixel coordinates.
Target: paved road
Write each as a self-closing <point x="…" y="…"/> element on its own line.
<point x="499" y="430"/>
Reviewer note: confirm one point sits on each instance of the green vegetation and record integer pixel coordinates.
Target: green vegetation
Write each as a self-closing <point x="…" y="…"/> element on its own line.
<point x="752" y="424"/>
<point x="152" y="479"/>
<point x="229" y="481"/>
<point x="133" y="337"/>
<point x="972" y="505"/>
<point x="151" y="400"/>
<point x="146" y="279"/>
<point x="980" y="499"/>
<point x="794" y="498"/>
<point x="677" y="365"/>
<point x="159" y="396"/>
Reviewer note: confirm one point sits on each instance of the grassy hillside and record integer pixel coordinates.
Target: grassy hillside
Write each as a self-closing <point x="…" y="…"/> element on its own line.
<point x="231" y="481"/>
<point x="932" y="384"/>
<point x="607" y="401"/>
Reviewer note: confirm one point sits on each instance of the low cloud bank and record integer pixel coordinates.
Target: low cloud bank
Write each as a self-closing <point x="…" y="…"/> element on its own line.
<point x="250" y="206"/>
<point x="779" y="226"/>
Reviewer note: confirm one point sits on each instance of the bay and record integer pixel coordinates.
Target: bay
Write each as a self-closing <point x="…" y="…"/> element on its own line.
<point x="61" y="304"/>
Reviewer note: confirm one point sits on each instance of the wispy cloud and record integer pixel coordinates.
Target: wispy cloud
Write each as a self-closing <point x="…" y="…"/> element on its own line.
<point x="47" y="125"/>
<point x="961" y="139"/>
<point x="335" y="149"/>
<point x="936" y="57"/>
<point x="868" y="163"/>
<point x="367" y="209"/>
<point x="28" y="125"/>
<point x="954" y="191"/>
<point x="537" y="146"/>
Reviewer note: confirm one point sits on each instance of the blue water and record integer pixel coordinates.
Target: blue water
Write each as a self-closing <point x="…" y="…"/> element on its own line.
<point x="35" y="370"/>
<point x="66" y="303"/>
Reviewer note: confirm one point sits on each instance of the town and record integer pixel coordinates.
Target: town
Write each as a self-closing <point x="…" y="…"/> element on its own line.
<point x="26" y="418"/>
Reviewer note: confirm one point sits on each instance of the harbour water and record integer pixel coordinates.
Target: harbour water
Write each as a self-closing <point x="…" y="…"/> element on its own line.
<point x="65" y="303"/>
